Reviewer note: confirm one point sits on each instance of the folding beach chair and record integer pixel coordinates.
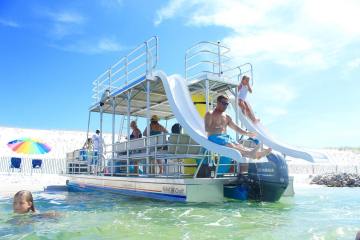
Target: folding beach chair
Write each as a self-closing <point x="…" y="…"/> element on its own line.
<point x="15" y="163"/>
<point x="36" y="165"/>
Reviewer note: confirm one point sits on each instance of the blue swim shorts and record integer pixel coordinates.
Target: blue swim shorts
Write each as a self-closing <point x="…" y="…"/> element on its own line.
<point x="221" y="139"/>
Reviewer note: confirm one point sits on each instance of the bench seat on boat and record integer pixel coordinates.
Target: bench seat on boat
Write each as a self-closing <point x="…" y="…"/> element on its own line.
<point x="168" y="144"/>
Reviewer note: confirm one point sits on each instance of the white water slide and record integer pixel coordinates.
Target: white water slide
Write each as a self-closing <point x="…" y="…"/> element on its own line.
<point x="185" y="112"/>
<point x="265" y="137"/>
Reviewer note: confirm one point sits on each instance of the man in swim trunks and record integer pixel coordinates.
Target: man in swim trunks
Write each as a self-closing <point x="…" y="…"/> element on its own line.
<point x="216" y="123"/>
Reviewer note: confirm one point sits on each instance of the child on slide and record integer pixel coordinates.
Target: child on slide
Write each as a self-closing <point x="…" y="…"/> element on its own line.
<point x="243" y="88"/>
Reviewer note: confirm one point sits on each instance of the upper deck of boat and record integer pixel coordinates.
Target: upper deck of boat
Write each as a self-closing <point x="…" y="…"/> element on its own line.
<point x="137" y="91"/>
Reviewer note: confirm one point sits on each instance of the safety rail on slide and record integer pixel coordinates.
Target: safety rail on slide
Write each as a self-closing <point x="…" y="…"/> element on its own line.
<point x="138" y="63"/>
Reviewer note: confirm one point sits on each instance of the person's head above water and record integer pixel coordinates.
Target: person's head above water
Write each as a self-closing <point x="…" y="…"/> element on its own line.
<point x="222" y="103"/>
<point x="23" y="202"/>
<point x="97" y="131"/>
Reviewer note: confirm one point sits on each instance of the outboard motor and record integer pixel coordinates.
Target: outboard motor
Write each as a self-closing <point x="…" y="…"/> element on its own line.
<point x="268" y="180"/>
<point x="265" y="181"/>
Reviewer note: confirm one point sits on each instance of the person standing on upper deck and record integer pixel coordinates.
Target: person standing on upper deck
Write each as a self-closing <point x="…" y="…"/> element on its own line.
<point x="243" y="88"/>
<point x="216" y="123"/>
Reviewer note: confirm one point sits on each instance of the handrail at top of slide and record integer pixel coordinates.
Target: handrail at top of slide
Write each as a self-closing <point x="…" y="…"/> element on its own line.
<point x="183" y="108"/>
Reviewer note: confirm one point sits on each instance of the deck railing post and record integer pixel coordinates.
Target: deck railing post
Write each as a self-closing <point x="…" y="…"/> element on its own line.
<point x="126" y="71"/>
<point x="101" y="143"/>
<point x="219" y="58"/>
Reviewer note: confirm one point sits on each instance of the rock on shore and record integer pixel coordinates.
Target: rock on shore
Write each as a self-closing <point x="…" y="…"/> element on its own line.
<point x="337" y="180"/>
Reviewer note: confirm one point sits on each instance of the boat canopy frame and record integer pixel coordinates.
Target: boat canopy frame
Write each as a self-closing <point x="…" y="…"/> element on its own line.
<point x="118" y="92"/>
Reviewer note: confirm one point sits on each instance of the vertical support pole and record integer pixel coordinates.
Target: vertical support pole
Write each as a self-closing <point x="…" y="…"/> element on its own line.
<point x="207" y="100"/>
<point x="113" y="136"/>
<point x="101" y="149"/>
<point x="122" y="125"/>
<point x="147" y="58"/>
<point x="128" y="132"/>
<point x="147" y="112"/>
<point x="236" y="111"/>
<point x="147" y="126"/>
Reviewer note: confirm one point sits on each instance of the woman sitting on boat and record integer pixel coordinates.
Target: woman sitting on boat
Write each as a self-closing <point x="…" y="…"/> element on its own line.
<point x="136" y="133"/>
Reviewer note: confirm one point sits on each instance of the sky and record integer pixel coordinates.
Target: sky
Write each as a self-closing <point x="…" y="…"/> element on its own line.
<point x="306" y="58"/>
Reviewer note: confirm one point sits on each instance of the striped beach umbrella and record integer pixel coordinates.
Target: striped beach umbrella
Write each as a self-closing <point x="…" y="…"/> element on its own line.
<point x="29" y="146"/>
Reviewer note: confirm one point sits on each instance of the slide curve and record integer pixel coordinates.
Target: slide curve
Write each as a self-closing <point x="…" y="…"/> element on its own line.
<point x="265" y="137"/>
<point x="185" y="112"/>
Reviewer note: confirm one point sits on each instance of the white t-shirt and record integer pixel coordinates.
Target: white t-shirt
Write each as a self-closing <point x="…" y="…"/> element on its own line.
<point x="97" y="142"/>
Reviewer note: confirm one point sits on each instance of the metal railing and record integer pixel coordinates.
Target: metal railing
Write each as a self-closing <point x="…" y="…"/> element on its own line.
<point x="169" y="157"/>
<point x="138" y="63"/>
<point x="239" y="71"/>
<point x="206" y="57"/>
<point x="212" y="58"/>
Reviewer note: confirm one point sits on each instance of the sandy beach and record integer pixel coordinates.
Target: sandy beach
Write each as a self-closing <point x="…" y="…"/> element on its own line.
<point x="66" y="141"/>
<point x="14" y="182"/>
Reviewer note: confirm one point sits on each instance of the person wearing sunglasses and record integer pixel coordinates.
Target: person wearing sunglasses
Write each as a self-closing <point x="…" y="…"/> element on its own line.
<point x="243" y="88"/>
<point x="216" y="123"/>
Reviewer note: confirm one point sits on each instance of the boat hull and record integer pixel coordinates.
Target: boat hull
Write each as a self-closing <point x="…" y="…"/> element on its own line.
<point x="180" y="190"/>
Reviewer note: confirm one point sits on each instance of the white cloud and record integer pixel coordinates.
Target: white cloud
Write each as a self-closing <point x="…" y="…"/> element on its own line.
<point x="354" y="64"/>
<point x="292" y="33"/>
<point x="111" y="3"/>
<point x="63" y="23"/>
<point x="66" y="17"/>
<point x="168" y="11"/>
<point x="9" y="23"/>
<point x="278" y="97"/>
<point x="279" y="92"/>
<point x="335" y="16"/>
<point x="275" y="112"/>
<point x="109" y="45"/>
<point x="100" y="46"/>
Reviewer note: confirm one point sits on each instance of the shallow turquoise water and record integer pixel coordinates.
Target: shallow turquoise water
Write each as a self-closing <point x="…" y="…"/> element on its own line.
<point x="314" y="213"/>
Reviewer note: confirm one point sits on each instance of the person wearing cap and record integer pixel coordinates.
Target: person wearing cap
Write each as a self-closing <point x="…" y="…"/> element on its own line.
<point x="155" y="127"/>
